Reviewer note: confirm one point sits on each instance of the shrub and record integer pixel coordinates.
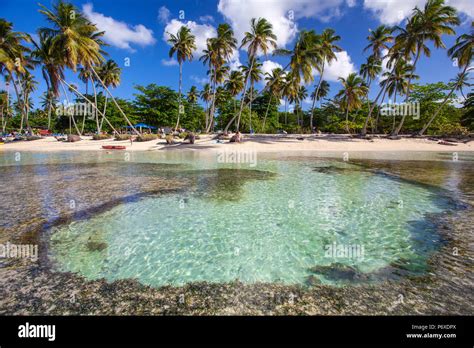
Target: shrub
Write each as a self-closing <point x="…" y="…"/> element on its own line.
<point x="147" y="137"/>
<point x="453" y="130"/>
<point x="183" y="135"/>
<point x="100" y="136"/>
<point x="169" y="139"/>
<point x="122" y="137"/>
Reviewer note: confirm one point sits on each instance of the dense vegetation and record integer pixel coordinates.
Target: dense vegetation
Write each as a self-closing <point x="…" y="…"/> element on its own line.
<point x="231" y="99"/>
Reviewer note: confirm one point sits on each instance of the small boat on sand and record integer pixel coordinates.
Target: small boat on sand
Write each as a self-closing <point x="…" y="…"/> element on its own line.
<point x="113" y="147"/>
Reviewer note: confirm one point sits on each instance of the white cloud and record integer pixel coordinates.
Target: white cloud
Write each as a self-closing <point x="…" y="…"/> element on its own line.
<point x="282" y="14"/>
<point x="169" y="62"/>
<point x="201" y="31"/>
<point x="163" y="14"/>
<point x="199" y="80"/>
<point x="119" y="34"/>
<point x="268" y="66"/>
<point x="341" y="67"/>
<point x="394" y="11"/>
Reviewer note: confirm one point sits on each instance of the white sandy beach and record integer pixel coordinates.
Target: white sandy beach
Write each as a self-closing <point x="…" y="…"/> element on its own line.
<point x="260" y="143"/>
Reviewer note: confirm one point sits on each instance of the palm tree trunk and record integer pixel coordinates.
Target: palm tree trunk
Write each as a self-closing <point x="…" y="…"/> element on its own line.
<point x="378" y="114"/>
<point x="18" y="99"/>
<point x="92" y="104"/>
<point x="347" y="121"/>
<point x="243" y="93"/>
<point x="179" y="93"/>
<point x="363" y="132"/>
<point x="315" y="97"/>
<point x="286" y="111"/>
<point x="105" y="109"/>
<point x="395" y="133"/>
<point x="266" y="113"/>
<point x="84" y="118"/>
<point x="213" y="104"/>
<point x="95" y="110"/>
<point x="71" y="117"/>
<point x="49" y="114"/>
<point x="423" y="130"/>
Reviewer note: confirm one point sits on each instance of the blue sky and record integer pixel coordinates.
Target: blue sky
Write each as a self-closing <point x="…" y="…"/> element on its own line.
<point x="136" y="31"/>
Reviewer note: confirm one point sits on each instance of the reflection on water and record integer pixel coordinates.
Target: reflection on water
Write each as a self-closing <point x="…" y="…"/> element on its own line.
<point x="182" y="217"/>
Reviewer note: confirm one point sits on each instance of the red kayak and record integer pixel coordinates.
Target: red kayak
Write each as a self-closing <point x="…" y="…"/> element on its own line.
<point x="113" y="147"/>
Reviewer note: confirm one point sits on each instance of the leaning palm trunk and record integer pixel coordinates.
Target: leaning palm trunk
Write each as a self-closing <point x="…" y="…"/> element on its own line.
<point x="105" y="109"/>
<point x="366" y="123"/>
<point x="71" y="117"/>
<point x="243" y="95"/>
<point x="95" y="111"/>
<point x="423" y="130"/>
<point x="19" y="100"/>
<point x="315" y="96"/>
<point x="115" y="102"/>
<point x="408" y="95"/>
<point x="93" y="105"/>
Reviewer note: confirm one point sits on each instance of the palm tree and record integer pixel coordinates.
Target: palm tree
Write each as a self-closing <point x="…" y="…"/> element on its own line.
<point x="427" y="24"/>
<point x="109" y="73"/>
<point x="234" y="85"/>
<point x="12" y="58"/>
<point x="219" y="51"/>
<point x="78" y="42"/>
<point x="379" y="40"/>
<point x="86" y="75"/>
<point x="323" y="91"/>
<point x="350" y="95"/>
<point x="276" y="80"/>
<point x="252" y="71"/>
<point x="192" y="97"/>
<point x="28" y="86"/>
<point x="396" y="81"/>
<point x="49" y="99"/>
<point x="183" y="44"/>
<point x="462" y="52"/>
<point x="369" y="72"/>
<point x="260" y="38"/>
<point x="206" y="96"/>
<point x="300" y="95"/>
<point x="327" y="51"/>
<point x="3" y="108"/>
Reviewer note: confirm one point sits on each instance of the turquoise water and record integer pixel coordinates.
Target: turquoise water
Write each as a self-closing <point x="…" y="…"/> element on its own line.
<point x="272" y="223"/>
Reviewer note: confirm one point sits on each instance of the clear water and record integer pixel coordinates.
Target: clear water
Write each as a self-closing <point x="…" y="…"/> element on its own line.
<point x="271" y="229"/>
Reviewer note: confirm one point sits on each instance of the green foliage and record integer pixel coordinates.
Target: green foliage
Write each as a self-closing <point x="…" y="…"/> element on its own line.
<point x="146" y="137"/>
<point x="101" y="136"/>
<point x="122" y="137"/>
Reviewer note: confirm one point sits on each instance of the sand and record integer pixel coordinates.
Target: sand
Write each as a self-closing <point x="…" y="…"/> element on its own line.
<point x="259" y="143"/>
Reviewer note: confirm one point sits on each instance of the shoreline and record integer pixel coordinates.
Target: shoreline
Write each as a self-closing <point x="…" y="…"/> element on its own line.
<point x="260" y="143"/>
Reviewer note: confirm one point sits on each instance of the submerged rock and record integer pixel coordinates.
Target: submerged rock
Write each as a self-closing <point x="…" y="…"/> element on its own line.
<point x="339" y="271"/>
